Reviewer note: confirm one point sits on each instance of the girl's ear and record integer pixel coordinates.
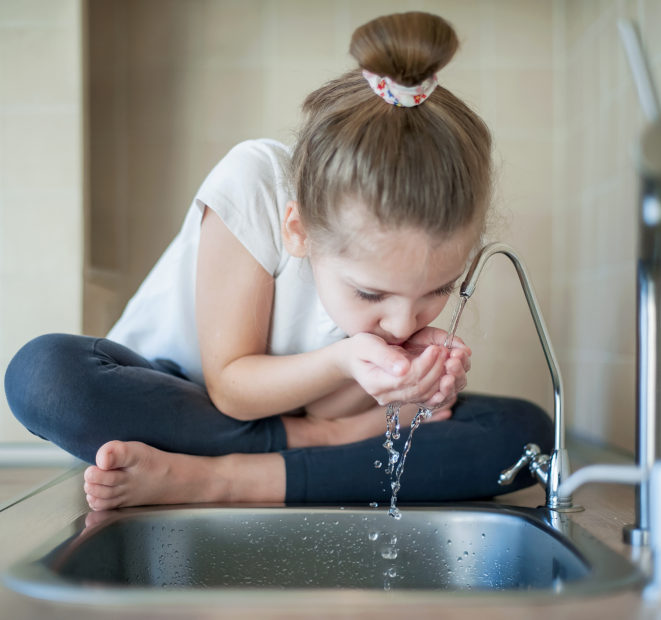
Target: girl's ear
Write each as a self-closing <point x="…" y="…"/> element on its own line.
<point x="293" y="232"/>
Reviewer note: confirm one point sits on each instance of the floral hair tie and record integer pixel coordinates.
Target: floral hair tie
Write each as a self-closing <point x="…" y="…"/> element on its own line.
<point x="398" y="95"/>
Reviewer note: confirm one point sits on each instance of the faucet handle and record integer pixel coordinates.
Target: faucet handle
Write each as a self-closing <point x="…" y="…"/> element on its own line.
<point x="530" y="453"/>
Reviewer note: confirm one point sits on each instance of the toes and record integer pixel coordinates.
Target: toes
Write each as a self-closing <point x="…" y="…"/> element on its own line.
<point x="112" y="455"/>
<point x="101" y="491"/>
<point x="95" y="475"/>
<point x="122" y="454"/>
<point x="98" y="504"/>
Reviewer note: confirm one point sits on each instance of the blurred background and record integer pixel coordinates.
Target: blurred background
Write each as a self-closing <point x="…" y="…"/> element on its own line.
<point x="112" y="112"/>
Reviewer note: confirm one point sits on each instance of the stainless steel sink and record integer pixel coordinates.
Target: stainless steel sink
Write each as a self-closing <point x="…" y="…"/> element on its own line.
<point x="472" y="548"/>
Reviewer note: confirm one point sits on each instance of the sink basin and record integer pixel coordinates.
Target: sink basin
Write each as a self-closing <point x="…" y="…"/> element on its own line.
<point x="176" y="552"/>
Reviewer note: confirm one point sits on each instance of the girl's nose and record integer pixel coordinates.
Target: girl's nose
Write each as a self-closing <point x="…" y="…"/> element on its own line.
<point x="400" y="325"/>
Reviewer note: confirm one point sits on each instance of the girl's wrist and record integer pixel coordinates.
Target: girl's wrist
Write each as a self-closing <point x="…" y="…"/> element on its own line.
<point x="340" y="358"/>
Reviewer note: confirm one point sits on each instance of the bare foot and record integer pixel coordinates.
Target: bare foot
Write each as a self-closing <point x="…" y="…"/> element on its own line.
<point x="134" y="474"/>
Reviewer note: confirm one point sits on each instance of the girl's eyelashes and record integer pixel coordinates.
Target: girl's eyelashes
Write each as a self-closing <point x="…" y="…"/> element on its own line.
<point x="445" y="290"/>
<point x="373" y="297"/>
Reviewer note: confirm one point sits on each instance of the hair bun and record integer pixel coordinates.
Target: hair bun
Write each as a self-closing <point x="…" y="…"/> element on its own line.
<point x="406" y="47"/>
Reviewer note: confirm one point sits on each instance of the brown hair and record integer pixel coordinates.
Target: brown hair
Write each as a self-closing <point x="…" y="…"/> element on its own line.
<point x="427" y="167"/>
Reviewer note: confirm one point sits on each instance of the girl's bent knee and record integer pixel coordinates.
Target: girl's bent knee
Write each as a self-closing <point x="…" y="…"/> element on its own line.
<point x="34" y="377"/>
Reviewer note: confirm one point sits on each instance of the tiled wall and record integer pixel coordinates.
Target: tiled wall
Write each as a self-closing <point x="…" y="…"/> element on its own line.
<point x="41" y="181"/>
<point x="174" y="84"/>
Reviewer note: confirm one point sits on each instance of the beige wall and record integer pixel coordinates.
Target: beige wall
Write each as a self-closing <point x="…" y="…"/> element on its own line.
<point x="174" y="84"/>
<point x="41" y="180"/>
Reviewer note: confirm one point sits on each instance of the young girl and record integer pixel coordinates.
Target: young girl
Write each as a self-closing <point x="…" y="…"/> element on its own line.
<point x="254" y="362"/>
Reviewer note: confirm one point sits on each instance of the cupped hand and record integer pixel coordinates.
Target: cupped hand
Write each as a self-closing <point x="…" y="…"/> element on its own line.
<point x="456" y="366"/>
<point x="394" y="374"/>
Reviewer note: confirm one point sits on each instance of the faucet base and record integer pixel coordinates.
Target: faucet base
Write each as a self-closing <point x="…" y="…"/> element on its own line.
<point x="635" y="536"/>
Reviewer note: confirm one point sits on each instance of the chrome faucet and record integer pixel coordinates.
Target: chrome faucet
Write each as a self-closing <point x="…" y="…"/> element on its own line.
<point x="549" y="471"/>
<point x="646" y="473"/>
<point x="648" y="405"/>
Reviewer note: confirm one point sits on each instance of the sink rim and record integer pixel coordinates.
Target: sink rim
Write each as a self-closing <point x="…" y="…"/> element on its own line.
<point x="34" y="576"/>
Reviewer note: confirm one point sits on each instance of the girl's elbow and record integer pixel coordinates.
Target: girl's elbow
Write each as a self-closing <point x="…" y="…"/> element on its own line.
<point x="225" y="404"/>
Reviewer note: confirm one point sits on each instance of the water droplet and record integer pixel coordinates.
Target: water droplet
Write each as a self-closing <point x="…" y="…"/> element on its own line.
<point x="465" y="553"/>
<point x="449" y="541"/>
<point x="377" y="464"/>
<point x="374" y="504"/>
<point x="395" y="435"/>
<point x="389" y="553"/>
<point x="373" y="535"/>
<point x="391" y="572"/>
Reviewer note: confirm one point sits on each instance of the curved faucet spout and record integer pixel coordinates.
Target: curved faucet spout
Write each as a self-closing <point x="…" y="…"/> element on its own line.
<point x="558" y="467"/>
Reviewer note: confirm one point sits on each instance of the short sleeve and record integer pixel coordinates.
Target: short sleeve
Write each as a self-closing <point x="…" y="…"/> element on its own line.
<point x="249" y="190"/>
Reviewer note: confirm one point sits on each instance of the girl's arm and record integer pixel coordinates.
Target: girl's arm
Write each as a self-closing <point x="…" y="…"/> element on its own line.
<point x="234" y="296"/>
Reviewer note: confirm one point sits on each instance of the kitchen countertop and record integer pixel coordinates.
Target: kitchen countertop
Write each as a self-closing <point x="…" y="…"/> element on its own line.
<point x="27" y="523"/>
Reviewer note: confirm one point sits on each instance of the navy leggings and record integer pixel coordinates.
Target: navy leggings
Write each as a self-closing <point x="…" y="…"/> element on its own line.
<point x="80" y="392"/>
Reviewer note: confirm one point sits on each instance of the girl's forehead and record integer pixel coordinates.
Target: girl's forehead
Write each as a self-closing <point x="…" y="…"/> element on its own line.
<point x="405" y="260"/>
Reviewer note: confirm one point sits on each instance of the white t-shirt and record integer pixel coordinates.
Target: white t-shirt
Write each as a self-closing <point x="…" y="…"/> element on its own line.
<point x="249" y="190"/>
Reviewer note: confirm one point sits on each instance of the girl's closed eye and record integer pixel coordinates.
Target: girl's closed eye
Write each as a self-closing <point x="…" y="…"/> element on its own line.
<point x="444" y="291"/>
<point x="371" y="297"/>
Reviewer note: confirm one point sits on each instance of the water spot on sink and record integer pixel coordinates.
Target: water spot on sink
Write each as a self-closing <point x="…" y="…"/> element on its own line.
<point x="389" y="552"/>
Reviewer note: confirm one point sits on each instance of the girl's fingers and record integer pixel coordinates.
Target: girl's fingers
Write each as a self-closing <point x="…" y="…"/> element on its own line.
<point x="429" y="364"/>
<point x="447" y="385"/>
<point x="460" y="345"/>
<point x="375" y="351"/>
<point x="440" y="414"/>
<point x="458" y="363"/>
<point x="463" y="355"/>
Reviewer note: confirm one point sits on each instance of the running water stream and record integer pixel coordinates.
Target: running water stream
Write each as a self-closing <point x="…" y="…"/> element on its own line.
<point x="395" y="467"/>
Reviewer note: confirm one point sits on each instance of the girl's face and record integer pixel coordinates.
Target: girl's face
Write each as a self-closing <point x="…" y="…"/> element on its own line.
<point x="391" y="283"/>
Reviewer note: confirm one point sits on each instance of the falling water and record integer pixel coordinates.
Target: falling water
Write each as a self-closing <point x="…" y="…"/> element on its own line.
<point x="455" y="321"/>
<point x="395" y="484"/>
